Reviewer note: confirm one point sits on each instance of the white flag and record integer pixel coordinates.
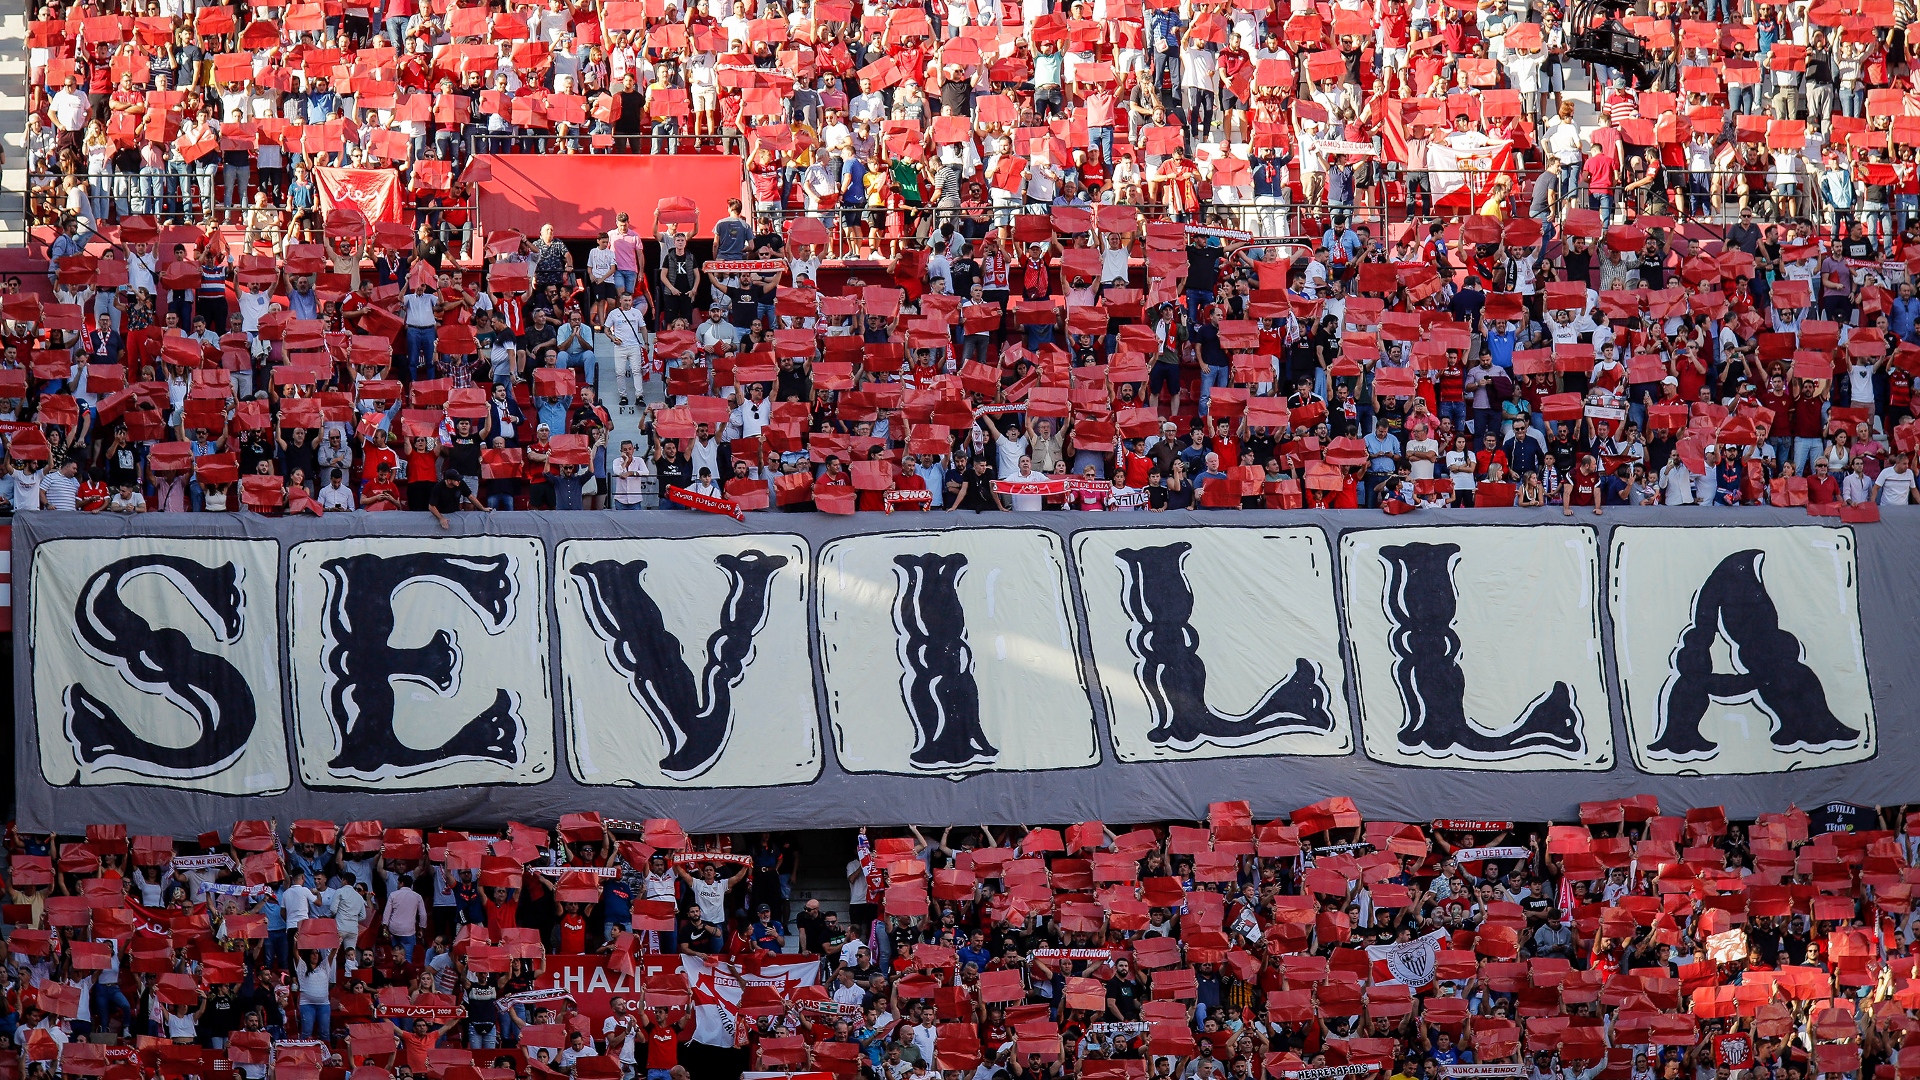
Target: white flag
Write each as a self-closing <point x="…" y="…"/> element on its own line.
<point x="1409" y="962"/>
<point x="717" y="987"/>
<point x="1728" y="947"/>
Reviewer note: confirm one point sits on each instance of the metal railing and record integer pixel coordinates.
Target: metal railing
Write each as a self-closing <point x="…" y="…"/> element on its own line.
<point x="184" y="198"/>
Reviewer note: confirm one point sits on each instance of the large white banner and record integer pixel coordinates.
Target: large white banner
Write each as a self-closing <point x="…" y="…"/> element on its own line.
<point x="1739" y="649"/>
<point x="157" y="662"/>
<point x="1479" y="644"/>
<point x="1185" y="672"/>
<point x="702" y="683"/>
<point x="824" y="670"/>
<point x="947" y="653"/>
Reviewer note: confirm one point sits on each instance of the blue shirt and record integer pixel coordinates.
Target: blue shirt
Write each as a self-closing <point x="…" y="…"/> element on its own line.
<point x="769" y="935"/>
<point x="1381" y="452"/>
<point x="1500" y="347"/>
<point x="616" y="902"/>
<point x="1906" y="311"/>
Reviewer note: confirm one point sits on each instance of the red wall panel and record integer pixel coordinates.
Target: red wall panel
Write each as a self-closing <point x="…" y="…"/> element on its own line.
<point x="578" y="194"/>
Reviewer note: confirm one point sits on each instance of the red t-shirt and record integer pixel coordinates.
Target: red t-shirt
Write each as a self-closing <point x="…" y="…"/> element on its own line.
<point x="1580" y="484"/>
<point x="573" y="932"/>
<point x="374" y="487"/>
<point x="373" y="457"/>
<point x="416" y="1049"/>
<point x="421" y="467"/>
<point x="501" y="916"/>
<point x="663" y="1047"/>
<point x="1228" y="449"/>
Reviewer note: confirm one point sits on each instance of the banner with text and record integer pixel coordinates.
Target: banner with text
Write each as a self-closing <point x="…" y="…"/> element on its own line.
<point x="818" y="668"/>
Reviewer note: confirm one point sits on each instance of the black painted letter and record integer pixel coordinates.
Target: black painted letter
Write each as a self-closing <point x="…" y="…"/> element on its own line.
<point x="1770" y="670"/>
<point x="1421" y="604"/>
<point x="937" y="685"/>
<point x="1159" y="602"/>
<point x="162" y="661"/>
<point x="694" y="719"/>
<point x="361" y="662"/>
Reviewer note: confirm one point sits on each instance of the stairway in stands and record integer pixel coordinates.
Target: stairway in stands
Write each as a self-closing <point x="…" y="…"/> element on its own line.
<point x="13" y="122"/>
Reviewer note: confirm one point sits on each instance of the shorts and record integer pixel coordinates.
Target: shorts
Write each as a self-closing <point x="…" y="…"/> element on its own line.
<point x="1163" y="376"/>
<point x="705" y="99"/>
<point x="607" y="290"/>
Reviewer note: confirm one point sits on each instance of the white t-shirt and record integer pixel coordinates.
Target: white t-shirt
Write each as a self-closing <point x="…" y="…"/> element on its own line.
<point x="1896" y="486"/>
<point x="858" y="880"/>
<point x="711" y="898"/>
<point x="1417" y="468"/>
<point x="612" y="1024"/>
<point x="661" y="886"/>
<point x="1027" y="502"/>
<point x="1007" y="454"/>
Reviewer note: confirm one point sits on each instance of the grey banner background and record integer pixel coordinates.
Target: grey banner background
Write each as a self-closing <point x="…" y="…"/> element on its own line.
<point x="1116" y="792"/>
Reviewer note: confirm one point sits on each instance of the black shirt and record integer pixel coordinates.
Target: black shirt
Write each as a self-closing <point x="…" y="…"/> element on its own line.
<point x="448" y="499"/>
<point x="677" y="269"/>
<point x="633" y="108"/>
<point x="1203" y="268"/>
<point x="536" y="338"/>
<point x="431" y="250"/>
<point x="965" y="272"/>
<point x="979" y="493"/>
<point x="464" y="455"/>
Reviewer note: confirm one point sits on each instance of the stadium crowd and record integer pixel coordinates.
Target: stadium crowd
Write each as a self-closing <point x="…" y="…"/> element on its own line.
<point x="1630" y="945"/>
<point x="961" y="274"/>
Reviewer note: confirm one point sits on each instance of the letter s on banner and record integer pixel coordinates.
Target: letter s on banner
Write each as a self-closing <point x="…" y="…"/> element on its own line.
<point x="1782" y="605"/>
<point x="420" y="663"/>
<point x="687" y="664"/>
<point x="156" y="662"/>
<point x="1431" y="615"/>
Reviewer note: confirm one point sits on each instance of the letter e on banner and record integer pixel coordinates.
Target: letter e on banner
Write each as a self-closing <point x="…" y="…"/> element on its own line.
<point x="684" y="662"/>
<point x="420" y="663"/>
<point x="947" y="653"/>
<point x="1199" y="656"/>
<point x="1739" y="649"/>
<point x="157" y="661"/>
<point x="1478" y="647"/>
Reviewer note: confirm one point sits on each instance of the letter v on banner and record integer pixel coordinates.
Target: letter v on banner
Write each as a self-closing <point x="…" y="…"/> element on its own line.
<point x="693" y="637"/>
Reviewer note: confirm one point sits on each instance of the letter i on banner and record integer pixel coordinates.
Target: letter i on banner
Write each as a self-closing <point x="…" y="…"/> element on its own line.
<point x="953" y="652"/>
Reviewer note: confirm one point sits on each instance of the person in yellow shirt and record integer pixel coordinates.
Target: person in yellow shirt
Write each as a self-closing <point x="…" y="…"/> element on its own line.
<point x="1495" y="205"/>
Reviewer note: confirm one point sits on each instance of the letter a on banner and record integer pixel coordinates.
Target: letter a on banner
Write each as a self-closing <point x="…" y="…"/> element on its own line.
<point x="460" y="624"/>
<point x="1740" y="649"/>
<point x="1186" y="673"/>
<point x="1433" y="613"/>
<point x="685" y="661"/>
<point x="160" y="666"/>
